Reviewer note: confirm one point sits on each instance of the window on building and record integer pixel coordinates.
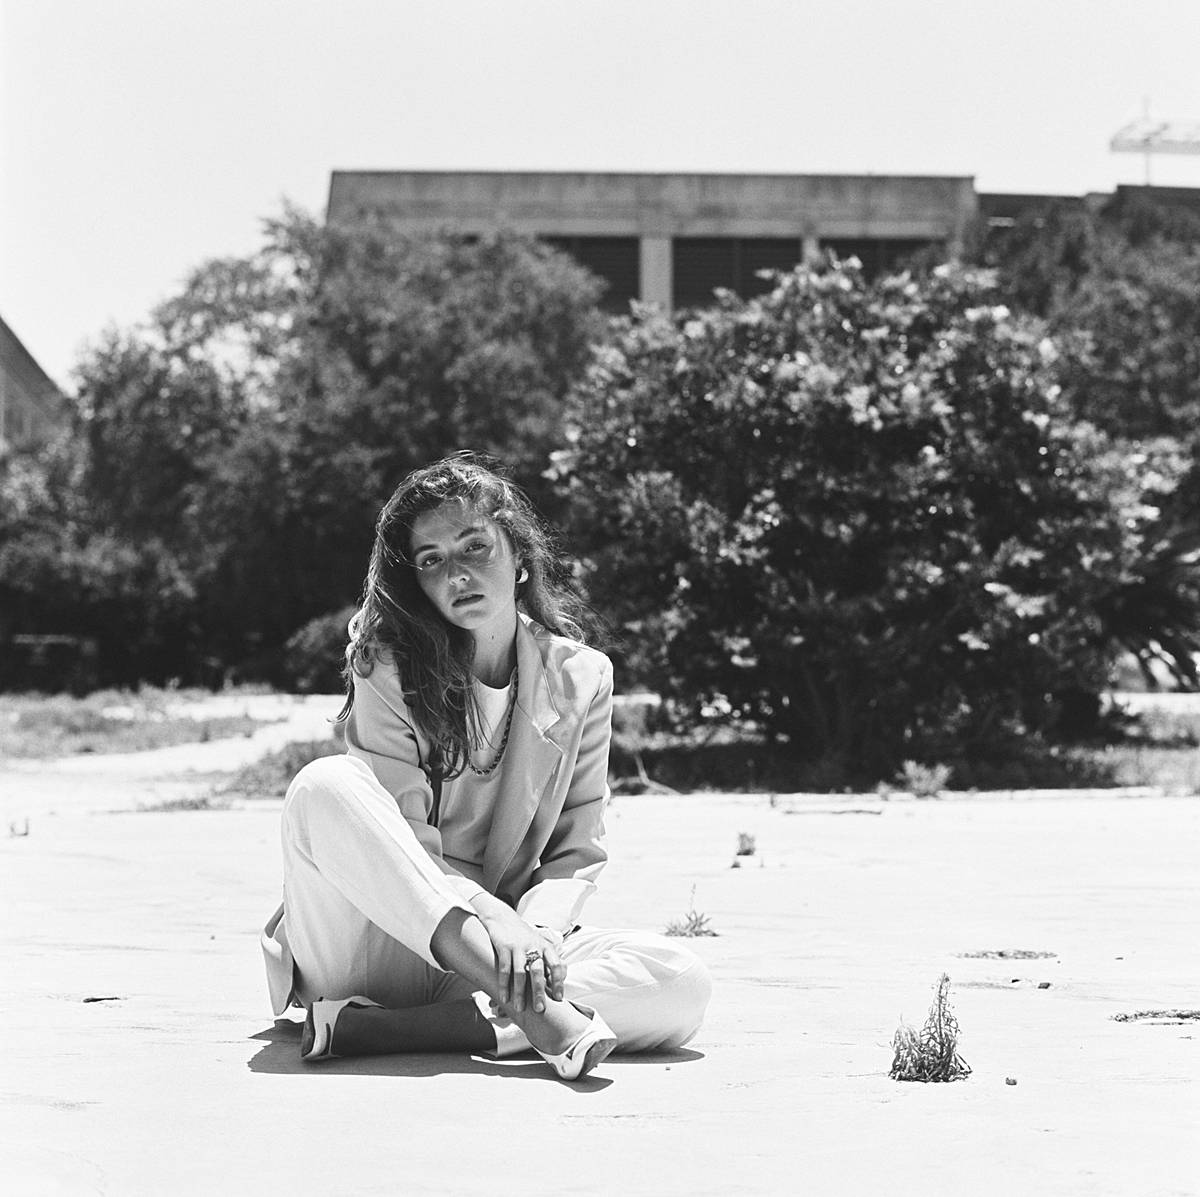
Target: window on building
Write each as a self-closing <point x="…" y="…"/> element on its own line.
<point x="702" y="264"/>
<point x="878" y="255"/>
<point x="616" y="260"/>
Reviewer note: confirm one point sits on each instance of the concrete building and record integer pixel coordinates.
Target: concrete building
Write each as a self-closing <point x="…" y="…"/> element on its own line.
<point x="672" y="238"/>
<point x="31" y="406"/>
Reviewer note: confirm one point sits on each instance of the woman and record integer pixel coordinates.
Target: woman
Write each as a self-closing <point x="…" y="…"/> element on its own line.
<point x="434" y="875"/>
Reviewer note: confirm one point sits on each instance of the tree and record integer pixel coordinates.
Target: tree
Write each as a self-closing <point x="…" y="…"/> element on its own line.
<point x="428" y="344"/>
<point x="228" y="456"/>
<point x="864" y="517"/>
<point x="1119" y="286"/>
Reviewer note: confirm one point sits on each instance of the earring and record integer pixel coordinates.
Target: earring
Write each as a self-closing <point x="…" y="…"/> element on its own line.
<point x="523" y="576"/>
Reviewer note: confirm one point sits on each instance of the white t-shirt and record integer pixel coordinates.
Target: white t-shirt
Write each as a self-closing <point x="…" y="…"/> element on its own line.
<point x="469" y="800"/>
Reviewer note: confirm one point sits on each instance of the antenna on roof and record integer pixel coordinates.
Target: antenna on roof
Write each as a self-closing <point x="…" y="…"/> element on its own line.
<point x="1148" y="135"/>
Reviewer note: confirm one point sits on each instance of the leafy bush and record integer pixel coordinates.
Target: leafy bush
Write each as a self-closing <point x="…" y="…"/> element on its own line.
<point x="861" y="516"/>
<point x="314" y="655"/>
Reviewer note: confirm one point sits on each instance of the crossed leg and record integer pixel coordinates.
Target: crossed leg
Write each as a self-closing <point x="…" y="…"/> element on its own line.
<point x="369" y="914"/>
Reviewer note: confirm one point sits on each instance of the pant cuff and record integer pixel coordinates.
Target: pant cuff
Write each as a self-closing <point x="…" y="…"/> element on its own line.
<point x="510" y="1039"/>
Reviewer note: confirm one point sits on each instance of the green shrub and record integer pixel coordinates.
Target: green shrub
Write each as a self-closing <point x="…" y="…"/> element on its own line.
<point x="862" y="517"/>
<point x="313" y="656"/>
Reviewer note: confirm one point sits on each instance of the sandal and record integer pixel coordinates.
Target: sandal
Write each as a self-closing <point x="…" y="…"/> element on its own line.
<point x="316" y="1040"/>
<point x="586" y="1052"/>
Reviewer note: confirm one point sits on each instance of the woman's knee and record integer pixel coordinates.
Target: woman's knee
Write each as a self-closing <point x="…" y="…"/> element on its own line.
<point x="320" y="784"/>
<point x="325" y="774"/>
<point x="691" y="989"/>
<point x="683" y="986"/>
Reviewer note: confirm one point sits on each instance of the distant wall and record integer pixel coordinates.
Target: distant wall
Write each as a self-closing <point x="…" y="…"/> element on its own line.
<point x="672" y="238"/>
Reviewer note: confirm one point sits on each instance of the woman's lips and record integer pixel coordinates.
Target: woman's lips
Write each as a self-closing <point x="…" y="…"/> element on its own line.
<point x="467" y="598"/>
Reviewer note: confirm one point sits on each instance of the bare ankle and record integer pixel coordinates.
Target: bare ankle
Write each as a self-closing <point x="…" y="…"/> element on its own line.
<point x="555" y="1029"/>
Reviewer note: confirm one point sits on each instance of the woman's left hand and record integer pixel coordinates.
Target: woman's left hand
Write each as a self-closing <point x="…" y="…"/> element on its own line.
<point x="528" y="967"/>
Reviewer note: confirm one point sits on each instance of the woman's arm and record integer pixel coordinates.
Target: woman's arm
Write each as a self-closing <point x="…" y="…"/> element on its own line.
<point x="574" y="854"/>
<point x="379" y="729"/>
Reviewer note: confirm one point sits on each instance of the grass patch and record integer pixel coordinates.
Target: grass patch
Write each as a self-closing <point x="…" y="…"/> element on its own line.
<point x="39" y="726"/>
<point x="1174" y="769"/>
<point x="737" y="760"/>
<point x="195" y="802"/>
<point x="693" y="925"/>
<point x="270" y="776"/>
<point x="930" y="1054"/>
<point x="726" y="759"/>
<point x="1158" y="752"/>
<point x="1160" y="1017"/>
<point x="1008" y="954"/>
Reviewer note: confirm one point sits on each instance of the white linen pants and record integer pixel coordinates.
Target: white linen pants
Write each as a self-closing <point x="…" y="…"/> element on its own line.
<point x="363" y="898"/>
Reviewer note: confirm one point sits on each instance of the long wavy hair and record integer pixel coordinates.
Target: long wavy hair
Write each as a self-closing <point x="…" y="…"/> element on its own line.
<point x="433" y="657"/>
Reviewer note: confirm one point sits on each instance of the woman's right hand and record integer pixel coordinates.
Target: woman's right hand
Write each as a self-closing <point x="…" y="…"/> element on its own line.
<point x="514" y="942"/>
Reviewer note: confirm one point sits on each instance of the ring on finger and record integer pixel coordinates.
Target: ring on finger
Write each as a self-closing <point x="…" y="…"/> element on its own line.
<point x="531" y="958"/>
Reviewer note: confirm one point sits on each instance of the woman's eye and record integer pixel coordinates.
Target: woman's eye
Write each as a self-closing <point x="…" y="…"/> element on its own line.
<point x="477" y="548"/>
<point x="428" y="562"/>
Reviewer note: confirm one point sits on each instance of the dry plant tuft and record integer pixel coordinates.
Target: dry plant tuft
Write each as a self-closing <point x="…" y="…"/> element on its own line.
<point x="923" y="781"/>
<point x="692" y="925"/>
<point x="932" y="1053"/>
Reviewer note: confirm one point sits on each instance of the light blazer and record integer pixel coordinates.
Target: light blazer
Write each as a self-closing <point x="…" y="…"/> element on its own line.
<point x="546" y="843"/>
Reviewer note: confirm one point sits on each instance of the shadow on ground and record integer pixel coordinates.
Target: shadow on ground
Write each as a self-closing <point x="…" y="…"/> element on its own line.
<point x="280" y="1055"/>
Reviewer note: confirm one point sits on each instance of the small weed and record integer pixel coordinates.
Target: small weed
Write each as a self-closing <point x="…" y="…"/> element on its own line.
<point x="930" y="1054"/>
<point x="692" y="925"/>
<point x="923" y="781"/>
<point x="746" y="844"/>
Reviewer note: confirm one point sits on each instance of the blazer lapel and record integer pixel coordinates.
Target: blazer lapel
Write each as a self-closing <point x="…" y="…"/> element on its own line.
<point x="532" y="757"/>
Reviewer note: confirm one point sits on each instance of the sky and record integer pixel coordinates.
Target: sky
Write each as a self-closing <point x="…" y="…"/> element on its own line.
<point x="139" y="138"/>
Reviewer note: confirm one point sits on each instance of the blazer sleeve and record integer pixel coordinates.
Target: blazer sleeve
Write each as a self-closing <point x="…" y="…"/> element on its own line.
<point x="380" y="730"/>
<point x="575" y="854"/>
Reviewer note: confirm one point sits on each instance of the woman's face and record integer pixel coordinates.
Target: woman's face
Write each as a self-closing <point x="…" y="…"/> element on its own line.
<point x="466" y="567"/>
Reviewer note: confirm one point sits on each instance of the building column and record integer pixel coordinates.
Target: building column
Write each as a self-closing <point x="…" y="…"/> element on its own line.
<point x="656" y="264"/>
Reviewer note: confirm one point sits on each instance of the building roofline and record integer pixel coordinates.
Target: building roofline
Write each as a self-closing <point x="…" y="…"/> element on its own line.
<point x="26" y="359"/>
<point x="648" y="174"/>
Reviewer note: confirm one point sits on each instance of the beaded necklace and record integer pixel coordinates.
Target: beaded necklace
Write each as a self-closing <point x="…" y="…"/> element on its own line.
<point x="512" y="706"/>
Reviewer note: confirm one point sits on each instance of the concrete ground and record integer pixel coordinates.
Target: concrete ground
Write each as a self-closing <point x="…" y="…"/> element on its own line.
<point x="180" y="1082"/>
